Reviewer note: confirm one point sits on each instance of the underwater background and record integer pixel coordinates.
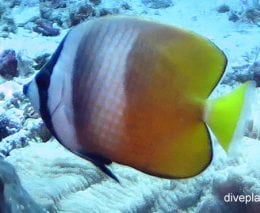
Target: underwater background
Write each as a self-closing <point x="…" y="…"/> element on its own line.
<point x="38" y="175"/>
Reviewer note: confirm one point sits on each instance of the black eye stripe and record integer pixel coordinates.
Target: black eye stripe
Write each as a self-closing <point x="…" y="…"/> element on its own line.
<point x="43" y="80"/>
<point x="43" y="77"/>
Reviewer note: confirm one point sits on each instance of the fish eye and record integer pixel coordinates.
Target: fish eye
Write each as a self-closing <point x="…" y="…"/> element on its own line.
<point x="42" y="80"/>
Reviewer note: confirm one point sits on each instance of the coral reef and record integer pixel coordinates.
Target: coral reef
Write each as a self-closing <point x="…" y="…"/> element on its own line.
<point x="157" y="4"/>
<point x="13" y="198"/>
<point x="247" y="71"/>
<point x="45" y="28"/>
<point x="12" y="142"/>
<point x="248" y="12"/>
<point x="81" y="14"/>
<point x="223" y="8"/>
<point x="41" y="60"/>
<point x="41" y="131"/>
<point x="8" y="64"/>
<point x="7" y="24"/>
<point x="74" y="12"/>
<point x="96" y="2"/>
<point x="8" y="126"/>
<point x="72" y="181"/>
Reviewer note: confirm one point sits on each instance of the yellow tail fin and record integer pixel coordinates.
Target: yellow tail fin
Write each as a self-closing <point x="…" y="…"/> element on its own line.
<point x="226" y="115"/>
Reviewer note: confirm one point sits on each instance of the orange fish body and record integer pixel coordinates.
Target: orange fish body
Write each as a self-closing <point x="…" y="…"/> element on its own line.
<point x="134" y="92"/>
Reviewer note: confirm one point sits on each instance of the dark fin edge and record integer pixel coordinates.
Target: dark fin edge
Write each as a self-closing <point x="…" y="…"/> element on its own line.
<point x="222" y="75"/>
<point x="99" y="162"/>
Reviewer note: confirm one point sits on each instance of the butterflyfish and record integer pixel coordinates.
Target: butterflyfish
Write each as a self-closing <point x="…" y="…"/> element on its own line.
<point x="133" y="91"/>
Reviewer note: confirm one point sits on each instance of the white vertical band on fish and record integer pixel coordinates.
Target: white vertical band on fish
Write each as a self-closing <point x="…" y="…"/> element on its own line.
<point x="60" y="103"/>
<point x="111" y="95"/>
